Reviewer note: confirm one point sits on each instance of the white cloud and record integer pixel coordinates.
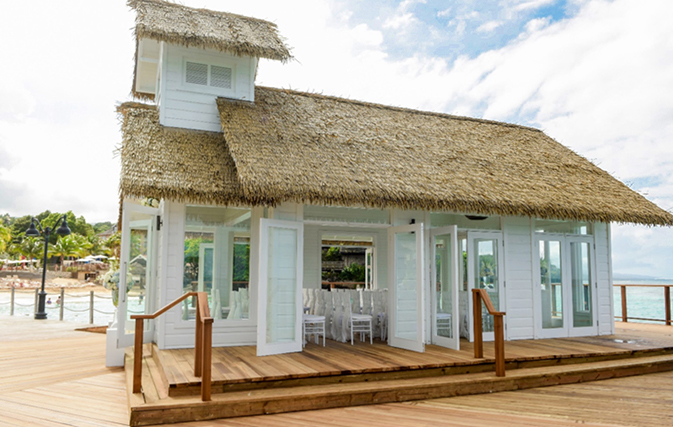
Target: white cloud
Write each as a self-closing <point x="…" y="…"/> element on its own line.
<point x="489" y="26"/>
<point x="527" y="5"/>
<point x="444" y="13"/>
<point x="400" y="21"/>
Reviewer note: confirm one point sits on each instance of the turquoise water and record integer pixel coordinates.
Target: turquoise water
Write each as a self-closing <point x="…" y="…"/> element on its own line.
<point x="76" y="307"/>
<point x="643" y="301"/>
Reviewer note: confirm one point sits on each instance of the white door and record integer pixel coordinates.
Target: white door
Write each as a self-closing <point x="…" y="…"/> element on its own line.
<point x="279" y="317"/>
<point x="137" y="275"/>
<point x="444" y="286"/>
<point x="405" y="268"/>
<point x="485" y="271"/>
<point x="565" y="297"/>
<point x="580" y="284"/>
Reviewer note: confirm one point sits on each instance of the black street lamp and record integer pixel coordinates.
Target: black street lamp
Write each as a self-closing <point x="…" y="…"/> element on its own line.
<point x="63" y="230"/>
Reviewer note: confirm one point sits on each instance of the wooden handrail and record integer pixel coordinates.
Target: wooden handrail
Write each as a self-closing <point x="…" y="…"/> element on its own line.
<point x="667" y="303"/>
<point x="479" y="295"/>
<point x="203" y="347"/>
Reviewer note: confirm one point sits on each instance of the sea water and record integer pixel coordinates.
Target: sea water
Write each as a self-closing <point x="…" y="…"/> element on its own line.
<point x="641" y="301"/>
<point x="76" y="308"/>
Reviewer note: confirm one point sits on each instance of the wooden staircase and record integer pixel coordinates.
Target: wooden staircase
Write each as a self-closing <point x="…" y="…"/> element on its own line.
<point x="159" y="403"/>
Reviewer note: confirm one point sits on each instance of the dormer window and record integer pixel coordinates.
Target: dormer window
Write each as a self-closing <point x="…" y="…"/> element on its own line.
<point x="215" y="76"/>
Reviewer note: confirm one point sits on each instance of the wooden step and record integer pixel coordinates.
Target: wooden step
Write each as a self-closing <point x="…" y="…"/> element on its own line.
<point x="290" y="399"/>
<point x="476" y="366"/>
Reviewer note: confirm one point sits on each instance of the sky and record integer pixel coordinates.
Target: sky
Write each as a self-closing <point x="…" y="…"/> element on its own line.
<point x="595" y="75"/>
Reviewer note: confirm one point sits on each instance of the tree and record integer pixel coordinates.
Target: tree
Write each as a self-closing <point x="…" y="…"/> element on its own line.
<point x="5" y="238"/>
<point x="67" y="246"/>
<point x="31" y="247"/>
<point x="111" y="246"/>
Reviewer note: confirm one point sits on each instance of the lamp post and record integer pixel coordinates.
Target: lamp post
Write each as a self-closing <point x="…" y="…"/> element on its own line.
<point x="63" y="230"/>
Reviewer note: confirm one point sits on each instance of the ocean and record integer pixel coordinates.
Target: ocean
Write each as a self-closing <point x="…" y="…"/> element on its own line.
<point x="642" y="301"/>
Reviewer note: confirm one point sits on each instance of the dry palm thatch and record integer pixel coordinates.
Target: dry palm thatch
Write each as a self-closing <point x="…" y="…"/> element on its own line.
<point x="174" y="164"/>
<point x="226" y="32"/>
<point x="291" y="146"/>
<point x="239" y="35"/>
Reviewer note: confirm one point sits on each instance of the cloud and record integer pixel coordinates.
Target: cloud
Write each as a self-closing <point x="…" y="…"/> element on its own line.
<point x="526" y="5"/>
<point x="488" y="27"/>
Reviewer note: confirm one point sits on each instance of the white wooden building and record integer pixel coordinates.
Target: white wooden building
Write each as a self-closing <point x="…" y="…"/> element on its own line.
<point x="251" y="181"/>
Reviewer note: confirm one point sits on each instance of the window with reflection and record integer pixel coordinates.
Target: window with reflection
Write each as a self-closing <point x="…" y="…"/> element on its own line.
<point x="217" y="261"/>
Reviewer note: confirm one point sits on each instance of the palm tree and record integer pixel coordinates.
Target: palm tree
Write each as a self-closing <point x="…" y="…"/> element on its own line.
<point x="5" y="238"/>
<point x="112" y="244"/>
<point x="67" y="246"/>
<point x="31" y="247"/>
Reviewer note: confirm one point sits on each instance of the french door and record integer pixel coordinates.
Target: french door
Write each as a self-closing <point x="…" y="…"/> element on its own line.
<point x="444" y="258"/>
<point x="566" y="304"/>
<point x="485" y="271"/>
<point x="405" y="269"/>
<point x="137" y="271"/>
<point x="279" y="317"/>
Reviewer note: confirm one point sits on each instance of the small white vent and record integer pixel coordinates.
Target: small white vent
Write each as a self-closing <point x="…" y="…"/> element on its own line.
<point x="220" y="76"/>
<point x="197" y="74"/>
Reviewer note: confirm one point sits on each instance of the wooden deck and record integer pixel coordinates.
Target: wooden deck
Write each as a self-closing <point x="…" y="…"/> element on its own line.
<point x="341" y="375"/>
<point x="237" y="368"/>
<point x="48" y="380"/>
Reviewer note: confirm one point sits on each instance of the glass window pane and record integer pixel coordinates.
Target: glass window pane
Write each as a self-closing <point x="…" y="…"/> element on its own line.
<point x="551" y="284"/>
<point x="216" y="260"/>
<point x="137" y="274"/>
<point x="405" y="286"/>
<point x="581" y="284"/>
<point x="444" y="308"/>
<point x="486" y="276"/>
<point x="281" y="285"/>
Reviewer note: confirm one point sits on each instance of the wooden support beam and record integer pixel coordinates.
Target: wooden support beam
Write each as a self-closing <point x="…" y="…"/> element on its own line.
<point x="625" y="318"/>
<point x="478" y="334"/>
<point x="138" y="357"/>
<point x="667" y="303"/>
<point x="499" y="345"/>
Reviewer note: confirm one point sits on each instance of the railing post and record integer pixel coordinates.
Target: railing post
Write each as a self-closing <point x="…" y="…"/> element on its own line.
<point x="667" y="299"/>
<point x="624" y="316"/>
<point x="138" y="357"/>
<point x="499" y="345"/>
<point x="61" y="305"/>
<point x="198" y="344"/>
<point x="478" y="336"/>
<point x="11" y="304"/>
<point x="206" y="356"/>
<point x="91" y="307"/>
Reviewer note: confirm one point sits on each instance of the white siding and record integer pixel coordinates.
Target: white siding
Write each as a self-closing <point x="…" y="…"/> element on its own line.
<point x="186" y="106"/>
<point x="604" y="292"/>
<point x="519" y="278"/>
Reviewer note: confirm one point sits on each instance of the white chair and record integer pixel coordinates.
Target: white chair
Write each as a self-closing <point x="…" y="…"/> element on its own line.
<point x="359" y="323"/>
<point x="314" y="325"/>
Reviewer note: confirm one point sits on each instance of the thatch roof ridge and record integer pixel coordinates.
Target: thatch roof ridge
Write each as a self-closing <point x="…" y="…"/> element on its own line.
<point x="389" y="107"/>
<point x="227" y="32"/>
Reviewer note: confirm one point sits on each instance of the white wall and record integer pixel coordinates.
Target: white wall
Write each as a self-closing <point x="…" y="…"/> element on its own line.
<point x="192" y="107"/>
<point x="518" y="278"/>
<point x="604" y="295"/>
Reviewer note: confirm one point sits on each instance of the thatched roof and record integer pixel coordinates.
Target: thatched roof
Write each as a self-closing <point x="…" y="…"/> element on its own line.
<point x="308" y="148"/>
<point x="240" y="35"/>
<point x="174" y="164"/>
<point x="227" y="32"/>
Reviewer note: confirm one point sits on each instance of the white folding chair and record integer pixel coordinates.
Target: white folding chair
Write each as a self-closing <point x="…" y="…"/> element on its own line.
<point x="314" y="325"/>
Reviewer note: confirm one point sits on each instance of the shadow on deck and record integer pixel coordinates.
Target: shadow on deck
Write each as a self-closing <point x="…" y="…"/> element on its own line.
<point x="341" y="375"/>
